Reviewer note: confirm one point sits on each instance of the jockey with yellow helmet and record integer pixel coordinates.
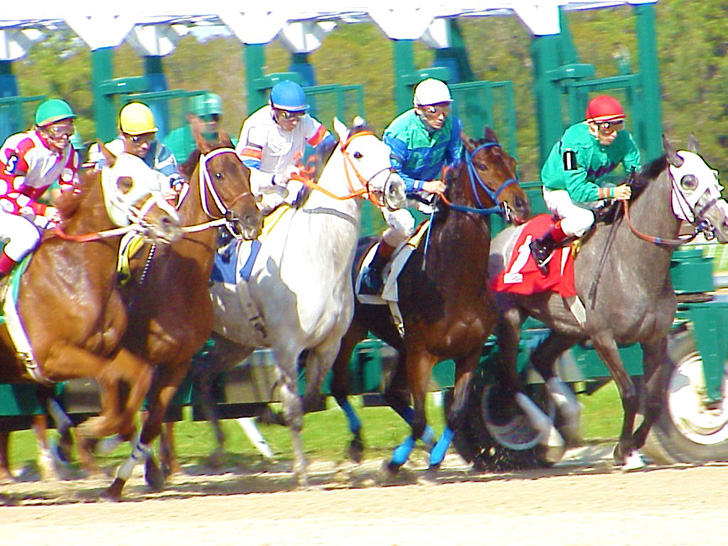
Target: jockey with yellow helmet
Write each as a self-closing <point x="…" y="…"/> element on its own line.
<point x="273" y="142"/>
<point x="29" y="164"/>
<point x="573" y="175"/>
<point x="423" y="139"/>
<point x="138" y="136"/>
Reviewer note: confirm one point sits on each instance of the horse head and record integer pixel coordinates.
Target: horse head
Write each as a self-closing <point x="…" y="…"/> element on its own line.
<point x="493" y="178"/>
<point x="224" y="179"/>
<point x="133" y="195"/>
<point x="696" y="191"/>
<point x="367" y="160"/>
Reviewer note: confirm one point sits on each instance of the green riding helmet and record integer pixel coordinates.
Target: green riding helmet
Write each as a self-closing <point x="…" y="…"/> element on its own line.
<point x="206" y="105"/>
<point x="51" y="111"/>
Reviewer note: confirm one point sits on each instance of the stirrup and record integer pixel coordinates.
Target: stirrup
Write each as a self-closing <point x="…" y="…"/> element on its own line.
<point x="542" y="257"/>
<point x="371" y="283"/>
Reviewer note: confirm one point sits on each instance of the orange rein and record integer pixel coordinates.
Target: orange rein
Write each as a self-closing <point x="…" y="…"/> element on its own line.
<point x="309" y="183"/>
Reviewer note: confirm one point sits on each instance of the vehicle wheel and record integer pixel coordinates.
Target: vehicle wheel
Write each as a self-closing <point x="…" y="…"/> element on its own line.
<point x="688" y="431"/>
<point x="496" y="435"/>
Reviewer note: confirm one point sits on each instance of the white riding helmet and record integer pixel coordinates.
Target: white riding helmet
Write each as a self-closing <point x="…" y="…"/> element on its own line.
<point x="431" y="91"/>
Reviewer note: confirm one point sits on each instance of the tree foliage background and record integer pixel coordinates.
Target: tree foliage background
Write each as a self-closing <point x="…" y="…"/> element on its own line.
<point x="692" y="47"/>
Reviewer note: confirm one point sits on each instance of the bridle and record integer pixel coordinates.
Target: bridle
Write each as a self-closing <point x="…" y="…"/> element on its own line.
<point x="225" y="215"/>
<point x="476" y="183"/>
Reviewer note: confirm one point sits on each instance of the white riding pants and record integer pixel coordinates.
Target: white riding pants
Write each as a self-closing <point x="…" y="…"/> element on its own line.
<point x="22" y="235"/>
<point x="575" y="219"/>
<point x="401" y="226"/>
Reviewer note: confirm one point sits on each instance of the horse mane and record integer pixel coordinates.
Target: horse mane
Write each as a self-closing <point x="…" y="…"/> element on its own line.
<point x="68" y="202"/>
<point x="646" y="175"/>
<point x="188" y="167"/>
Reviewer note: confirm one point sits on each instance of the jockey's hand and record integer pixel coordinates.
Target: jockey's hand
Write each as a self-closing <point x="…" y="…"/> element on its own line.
<point x="622" y="192"/>
<point x="52" y="214"/>
<point x="285" y="176"/>
<point x="434" y="186"/>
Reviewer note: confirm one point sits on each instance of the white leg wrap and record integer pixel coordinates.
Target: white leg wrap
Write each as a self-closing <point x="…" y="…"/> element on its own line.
<point x="634" y="461"/>
<point x="138" y="454"/>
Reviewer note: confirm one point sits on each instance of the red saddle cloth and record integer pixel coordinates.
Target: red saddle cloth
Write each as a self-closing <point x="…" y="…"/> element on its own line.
<point x="522" y="275"/>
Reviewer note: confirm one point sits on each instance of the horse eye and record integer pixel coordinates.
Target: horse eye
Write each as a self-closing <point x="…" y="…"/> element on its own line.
<point x="689" y="182"/>
<point x="481" y="166"/>
<point x="124" y="184"/>
<point x="358" y="155"/>
<point x="219" y="176"/>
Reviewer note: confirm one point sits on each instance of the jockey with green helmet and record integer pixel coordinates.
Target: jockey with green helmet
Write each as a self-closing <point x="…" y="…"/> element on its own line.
<point x="273" y="142"/>
<point x="573" y="174"/>
<point x="423" y="139"/>
<point x="30" y="163"/>
<point x="204" y="115"/>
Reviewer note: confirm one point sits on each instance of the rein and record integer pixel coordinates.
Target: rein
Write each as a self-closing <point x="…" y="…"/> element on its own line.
<point x="477" y="182"/>
<point x="205" y="182"/>
<point x="348" y="163"/>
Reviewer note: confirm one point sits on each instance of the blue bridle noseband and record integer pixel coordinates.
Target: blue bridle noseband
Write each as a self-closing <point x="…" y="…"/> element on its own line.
<point x="476" y="182"/>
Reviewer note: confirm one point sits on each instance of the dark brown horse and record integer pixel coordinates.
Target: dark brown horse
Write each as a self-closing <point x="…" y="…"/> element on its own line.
<point x="72" y="315"/>
<point x="447" y="308"/>
<point x="170" y="311"/>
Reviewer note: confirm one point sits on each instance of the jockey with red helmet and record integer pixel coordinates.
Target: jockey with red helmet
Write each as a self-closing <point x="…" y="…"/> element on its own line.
<point x="574" y="170"/>
<point x="273" y="141"/>
<point x="29" y="164"/>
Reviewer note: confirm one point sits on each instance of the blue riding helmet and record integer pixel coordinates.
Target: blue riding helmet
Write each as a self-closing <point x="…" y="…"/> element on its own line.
<point x="288" y="95"/>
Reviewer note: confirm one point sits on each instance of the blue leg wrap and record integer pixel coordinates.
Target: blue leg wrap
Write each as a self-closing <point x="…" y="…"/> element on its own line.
<point x="402" y="452"/>
<point x="438" y="452"/>
<point x="351" y="417"/>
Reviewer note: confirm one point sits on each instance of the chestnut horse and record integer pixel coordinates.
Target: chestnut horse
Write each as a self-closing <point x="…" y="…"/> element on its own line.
<point x="447" y="309"/>
<point x="170" y="311"/>
<point x="71" y="317"/>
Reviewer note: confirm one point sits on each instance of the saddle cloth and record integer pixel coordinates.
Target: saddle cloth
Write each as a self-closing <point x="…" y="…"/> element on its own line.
<point x="522" y="275"/>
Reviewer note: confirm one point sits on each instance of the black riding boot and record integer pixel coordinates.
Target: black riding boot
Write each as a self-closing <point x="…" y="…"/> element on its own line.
<point x="541" y="250"/>
<point x="371" y="281"/>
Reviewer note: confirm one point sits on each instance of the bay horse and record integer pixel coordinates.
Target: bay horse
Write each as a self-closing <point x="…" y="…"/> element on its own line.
<point x="69" y="311"/>
<point x="169" y="306"/>
<point x="634" y="302"/>
<point x="447" y="309"/>
<point x="300" y="283"/>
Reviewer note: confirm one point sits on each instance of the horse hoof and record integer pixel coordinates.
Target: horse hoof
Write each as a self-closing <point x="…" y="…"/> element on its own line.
<point x="153" y="475"/>
<point x="113" y="493"/>
<point x="356" y="450"/>
<point x="633" y="461"/>
<point x="388" y="471"/>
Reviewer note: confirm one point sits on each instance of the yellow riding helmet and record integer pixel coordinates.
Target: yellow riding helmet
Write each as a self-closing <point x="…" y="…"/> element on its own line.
<point x="136" y="119"/>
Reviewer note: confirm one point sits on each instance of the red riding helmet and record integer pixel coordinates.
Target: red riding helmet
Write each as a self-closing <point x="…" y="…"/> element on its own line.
<point x="604" y="108"/>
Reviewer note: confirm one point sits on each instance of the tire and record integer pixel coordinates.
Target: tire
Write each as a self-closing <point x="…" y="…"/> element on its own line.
<point x="495" y="434"/>
<point x="687" y="431"/>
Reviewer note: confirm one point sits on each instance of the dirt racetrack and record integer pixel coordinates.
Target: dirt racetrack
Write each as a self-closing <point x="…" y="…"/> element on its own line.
<point x="581" y="501"/>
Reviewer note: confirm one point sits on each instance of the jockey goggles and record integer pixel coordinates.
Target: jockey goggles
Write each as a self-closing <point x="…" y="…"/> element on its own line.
<point x="289" y="115"/>
<point x="138" y="140"/>
<point x="436" y="110"/>
<point x="59" y="130"/>
<point x="609" y="127"/>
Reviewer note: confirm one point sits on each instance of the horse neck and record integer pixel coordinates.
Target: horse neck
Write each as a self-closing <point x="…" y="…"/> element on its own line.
<point x="335" y="180"/>
<point x="198" y="245"/>
<point x="459" y="239"/>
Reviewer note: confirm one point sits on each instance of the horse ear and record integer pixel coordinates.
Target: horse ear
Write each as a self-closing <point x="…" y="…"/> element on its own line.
<point x="224" y="139"/>
<point x="200" y="141"/>
<point x="693" y="144"/>
<point x="671" y="154"/>
<point x="109" y="157"/>
<point x="341" y="129"/>
<point x="490" y="135"/>
<point x="468" y="142"/>
<point x="359" y="121"/>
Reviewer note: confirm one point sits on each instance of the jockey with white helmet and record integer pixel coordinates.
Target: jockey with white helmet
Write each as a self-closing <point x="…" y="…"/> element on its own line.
<point x="29" y="164"/>
<point x="273" y="141"/>
<point x="423" y="139"/>
<point x="573" y="175"/>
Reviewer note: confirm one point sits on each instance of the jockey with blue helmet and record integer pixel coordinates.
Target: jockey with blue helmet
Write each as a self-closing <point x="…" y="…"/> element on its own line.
<point x="573" y="174"/>
<point x="273" y="141"/>
<point x="30" y="163"/>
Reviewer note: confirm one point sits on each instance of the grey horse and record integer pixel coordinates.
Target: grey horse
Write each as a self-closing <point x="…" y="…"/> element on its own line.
<point x="622" y="276"/>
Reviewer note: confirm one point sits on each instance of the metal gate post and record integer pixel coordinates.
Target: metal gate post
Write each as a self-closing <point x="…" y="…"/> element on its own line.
<point x="254" y="59"/>
<point x="102" y="70"/>
<point x="547" y="95"/>
<point x="649" y="70"/>
<point x="157" y="81"/>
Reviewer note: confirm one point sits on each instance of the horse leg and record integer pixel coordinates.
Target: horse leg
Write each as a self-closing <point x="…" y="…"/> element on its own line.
<point x="397" y="395"/>
<point x="340" y="388"/>
<point x="5" y="474"/>
<point x="418" y="365"/>
<point x="167" y="380"/>
<point x="508" y="334"/>
<point x="625" y="453"/>
<point x="293" y="413"/>
<point x="464" y="369"/>
<point x="543" y="360"/>
<point x="656" y="374"/>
